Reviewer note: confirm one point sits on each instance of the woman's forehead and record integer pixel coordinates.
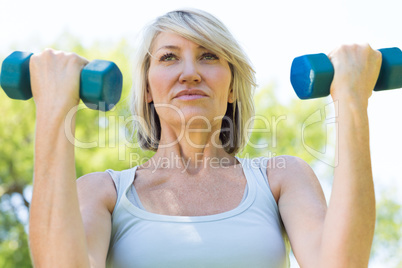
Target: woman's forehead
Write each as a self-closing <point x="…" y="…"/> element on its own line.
<point x="171" y="40"/>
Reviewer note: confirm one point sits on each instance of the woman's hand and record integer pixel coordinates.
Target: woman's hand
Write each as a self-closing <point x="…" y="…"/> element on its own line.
<point x="356" y="72"/>
<point x="55" y="79"/>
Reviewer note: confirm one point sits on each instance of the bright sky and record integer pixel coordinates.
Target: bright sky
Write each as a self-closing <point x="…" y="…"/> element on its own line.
<point x="272" y="33"/>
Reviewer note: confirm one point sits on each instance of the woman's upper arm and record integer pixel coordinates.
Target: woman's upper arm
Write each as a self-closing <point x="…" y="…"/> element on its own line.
<point x="302" y="207"/>
<point x="97" y="198"/>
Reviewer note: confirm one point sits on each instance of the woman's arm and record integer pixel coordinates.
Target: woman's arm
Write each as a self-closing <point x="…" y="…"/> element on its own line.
<point x="350" y="221"/>
<point x="340" y="236"/>
<point x="56" y="234"/>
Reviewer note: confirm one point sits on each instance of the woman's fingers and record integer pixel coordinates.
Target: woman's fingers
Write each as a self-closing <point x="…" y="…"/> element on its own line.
<point x="356" y="72"/>
<point x="55" y="78"/>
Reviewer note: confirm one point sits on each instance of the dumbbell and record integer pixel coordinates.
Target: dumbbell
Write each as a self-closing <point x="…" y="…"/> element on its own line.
<point x="100" y="83"/>
<point x="311" y="75"/>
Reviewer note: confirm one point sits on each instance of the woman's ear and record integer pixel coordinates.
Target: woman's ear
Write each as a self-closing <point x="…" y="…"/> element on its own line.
<point x="149" y="96"/>
<point x="230" y="97"/>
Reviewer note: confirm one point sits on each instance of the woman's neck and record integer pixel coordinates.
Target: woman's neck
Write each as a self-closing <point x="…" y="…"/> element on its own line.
<point x="192" y="150"/>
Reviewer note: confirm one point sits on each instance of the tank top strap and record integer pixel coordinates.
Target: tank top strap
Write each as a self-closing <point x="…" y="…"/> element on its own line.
<point x="122" y="180"/>
<point x="258" y="168"/>
<point x="126" y="179"/>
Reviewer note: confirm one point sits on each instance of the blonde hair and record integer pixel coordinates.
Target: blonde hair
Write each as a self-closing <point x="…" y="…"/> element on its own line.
<point x="205" y="30"/>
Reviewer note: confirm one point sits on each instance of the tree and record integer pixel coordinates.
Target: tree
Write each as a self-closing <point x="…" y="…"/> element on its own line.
<point x="16" y="167"/>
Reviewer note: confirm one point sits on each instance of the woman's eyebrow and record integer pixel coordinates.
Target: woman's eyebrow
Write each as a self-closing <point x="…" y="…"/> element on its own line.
<point x="168" y="47"/>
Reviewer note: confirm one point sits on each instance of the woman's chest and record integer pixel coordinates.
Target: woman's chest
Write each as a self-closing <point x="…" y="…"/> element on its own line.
<point x="169" y="194"/>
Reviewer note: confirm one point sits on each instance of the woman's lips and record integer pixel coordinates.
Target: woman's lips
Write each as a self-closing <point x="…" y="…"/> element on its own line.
<point x="190" y="97"/>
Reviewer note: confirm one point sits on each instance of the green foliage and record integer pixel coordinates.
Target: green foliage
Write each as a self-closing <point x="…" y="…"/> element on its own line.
<point x="387" y="244"/>
<point x="16" y="168"/>
<point x="278" y="129"/>
<point x="13" y="240"/>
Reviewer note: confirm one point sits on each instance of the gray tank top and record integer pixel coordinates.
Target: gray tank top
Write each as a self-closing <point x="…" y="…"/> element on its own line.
<point x="250" y="235"/>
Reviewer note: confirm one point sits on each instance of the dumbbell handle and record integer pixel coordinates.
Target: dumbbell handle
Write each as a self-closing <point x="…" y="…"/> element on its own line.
<point x="100" y="82"/>
<point x="311" y="75"/>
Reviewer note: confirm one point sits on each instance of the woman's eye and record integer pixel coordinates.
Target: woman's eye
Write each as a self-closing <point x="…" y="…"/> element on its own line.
<point x="168" y="57"/>
<point x="209" y="56"/>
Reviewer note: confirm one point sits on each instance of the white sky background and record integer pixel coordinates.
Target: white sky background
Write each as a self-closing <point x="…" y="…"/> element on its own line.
<point x="272" y="33"/>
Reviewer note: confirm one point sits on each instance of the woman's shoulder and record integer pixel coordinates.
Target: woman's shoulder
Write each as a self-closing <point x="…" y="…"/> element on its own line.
<point x="96" y="178"/>
<point x="97" y="187"/>
<point x="285" y="172"/>
<point x="283" y="164"/>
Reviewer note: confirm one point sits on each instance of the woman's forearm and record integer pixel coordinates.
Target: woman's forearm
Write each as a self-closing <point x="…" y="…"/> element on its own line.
<point x="56" y="233"/>
<point x="350" y="220"/>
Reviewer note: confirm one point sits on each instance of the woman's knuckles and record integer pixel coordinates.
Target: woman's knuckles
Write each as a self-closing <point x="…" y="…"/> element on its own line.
<point x="56" y="75"/>
<point x="58" y="59"/>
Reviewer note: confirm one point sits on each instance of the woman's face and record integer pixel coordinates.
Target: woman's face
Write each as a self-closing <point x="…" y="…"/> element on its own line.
<point x="202" y="78"/>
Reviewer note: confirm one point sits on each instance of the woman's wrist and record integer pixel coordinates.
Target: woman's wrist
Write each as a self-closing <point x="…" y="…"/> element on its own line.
<point x="354" y="112"/>
<point x="54" y="111"/>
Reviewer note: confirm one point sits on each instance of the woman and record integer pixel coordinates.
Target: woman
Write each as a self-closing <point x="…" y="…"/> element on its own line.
<point x="207" y="208"/>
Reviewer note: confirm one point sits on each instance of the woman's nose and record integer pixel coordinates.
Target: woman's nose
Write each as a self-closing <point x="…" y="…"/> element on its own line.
<point x="189" y="72"/>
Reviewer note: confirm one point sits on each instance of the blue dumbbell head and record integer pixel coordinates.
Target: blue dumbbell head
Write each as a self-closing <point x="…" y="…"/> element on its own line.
<point x="391" y="69"/>
<point x="311" y="76"/>
<point x="101" y="85"/>
<point x="15" y="78"/>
